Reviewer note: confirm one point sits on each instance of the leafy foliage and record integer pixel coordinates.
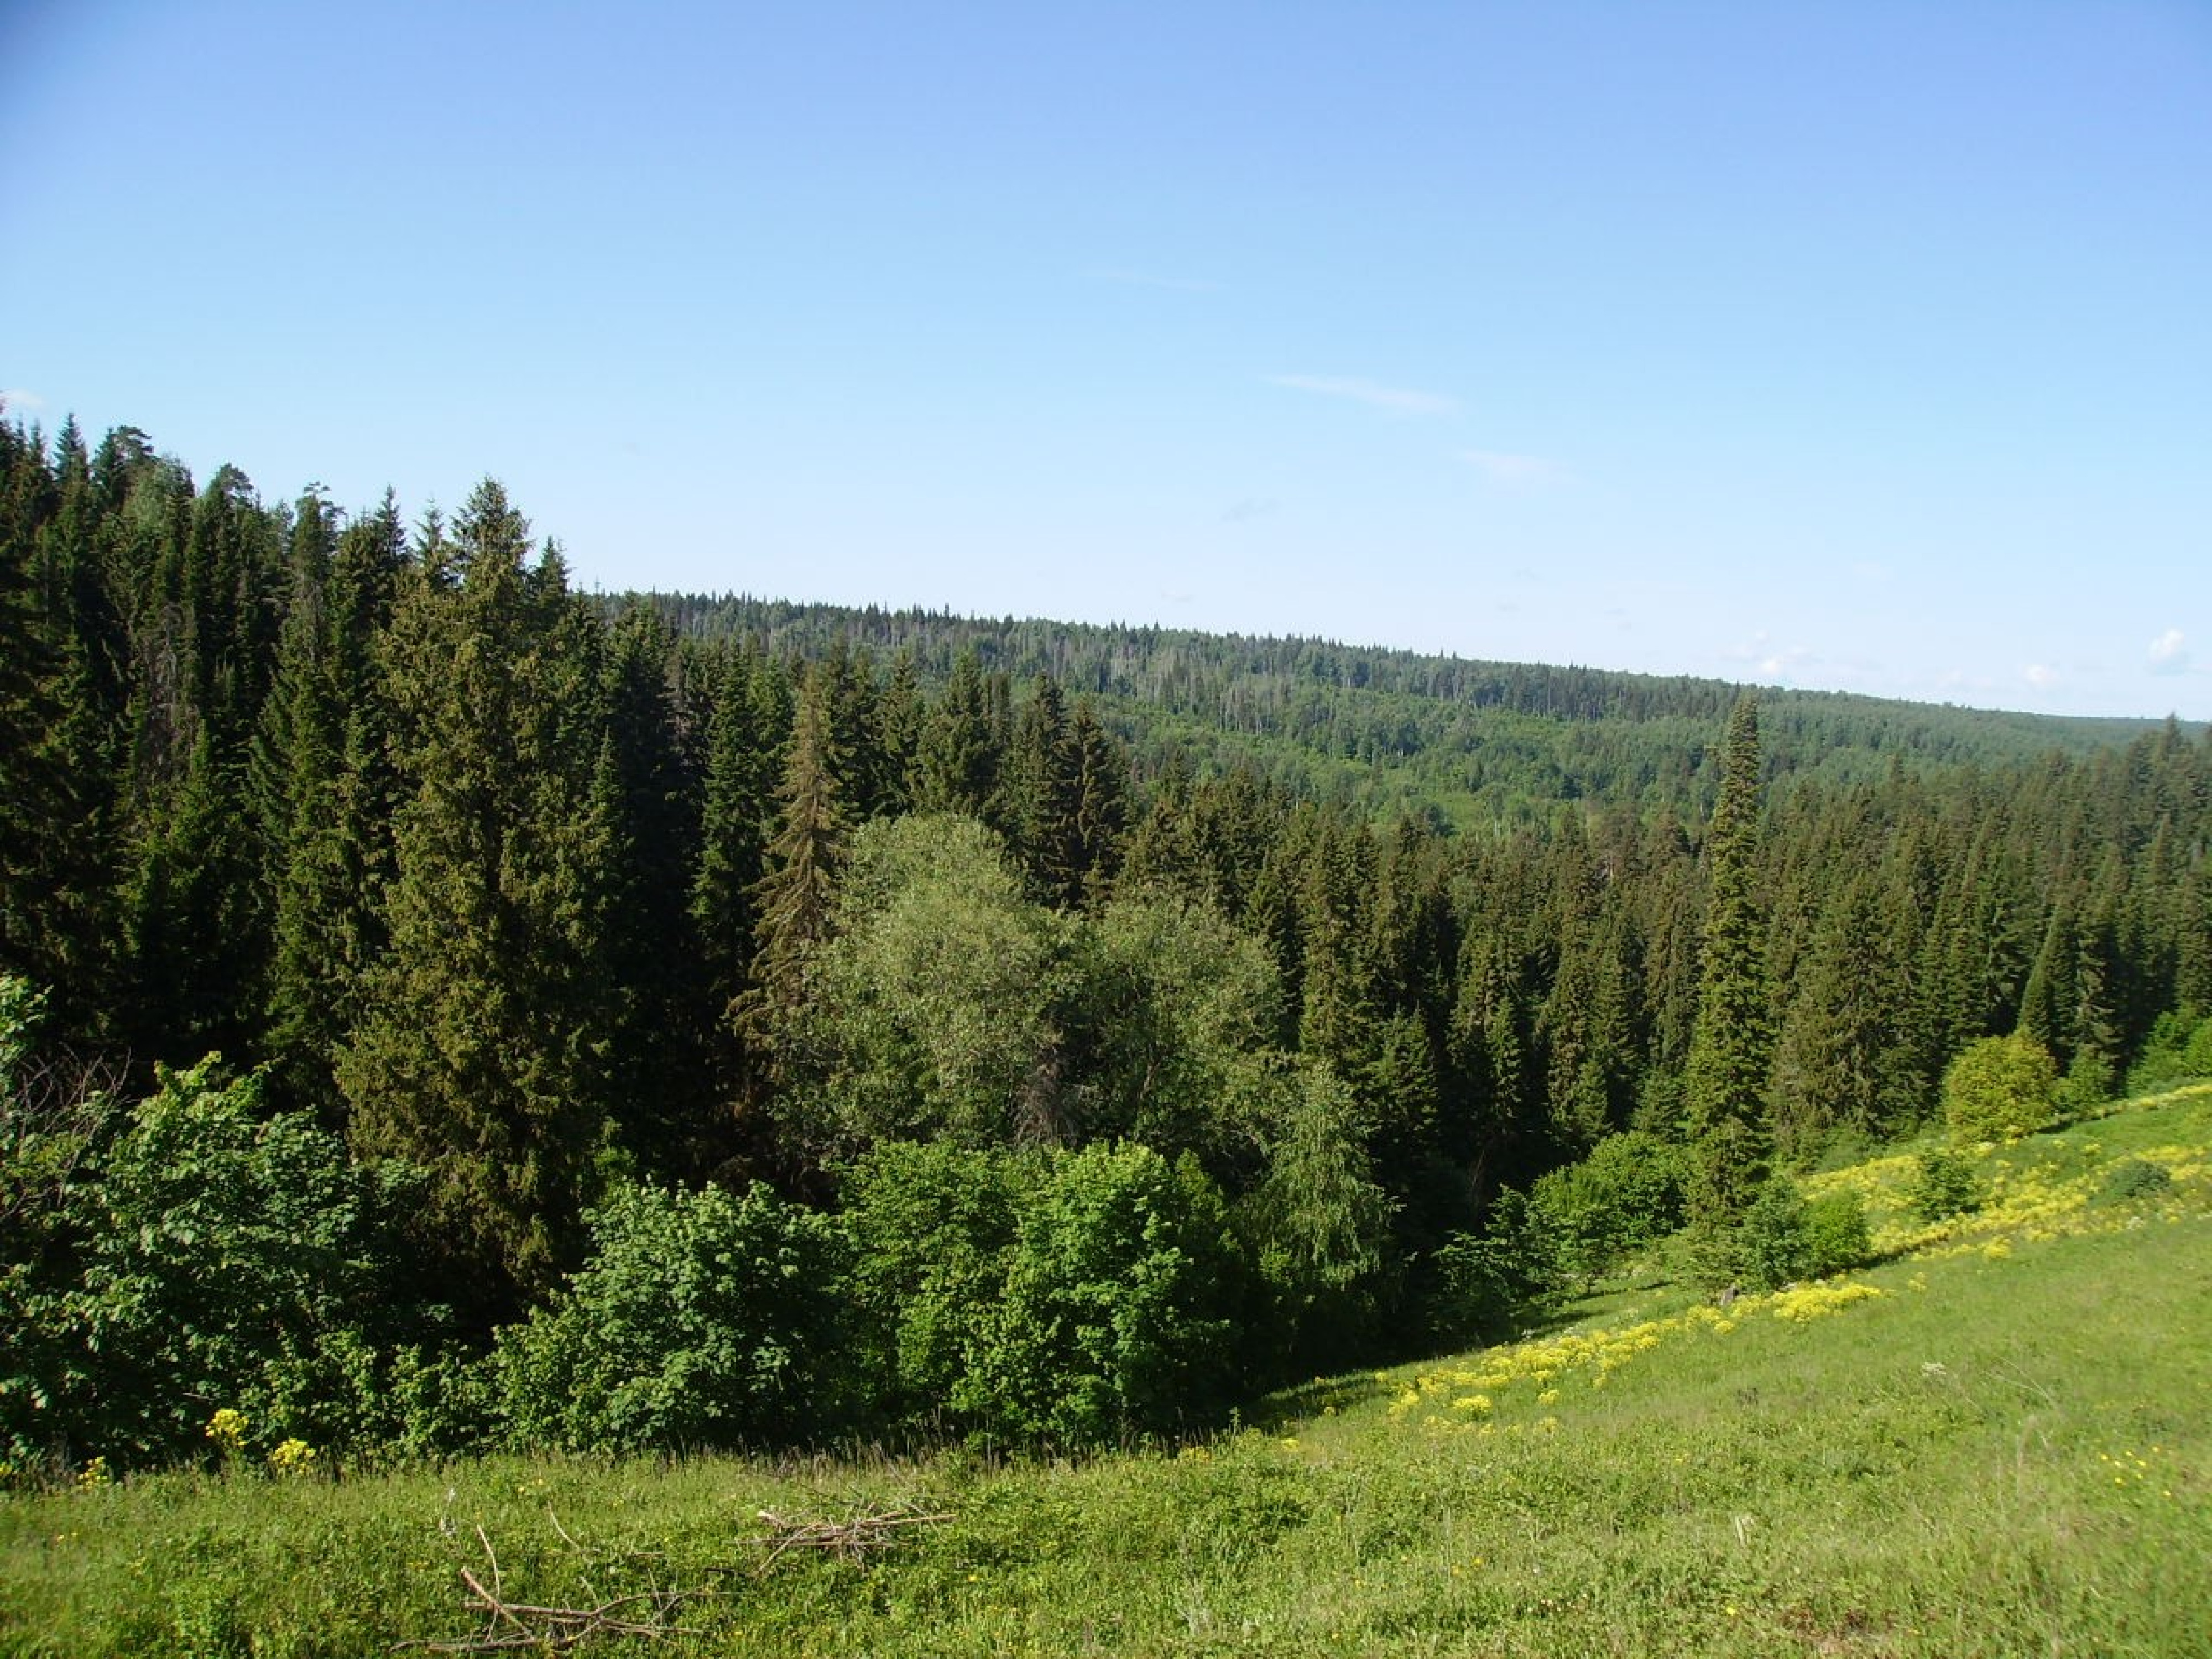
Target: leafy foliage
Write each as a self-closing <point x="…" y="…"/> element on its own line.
<point x="702" y="1319"/>
<point x="1119" y="1315"/>
<point x="1944" y="1184"/>
<point x="228" y="1258"/>
<point x="1999" y="1089"/>
<point x="1625" y="1195"/>
<point x="2137" y="1178"/>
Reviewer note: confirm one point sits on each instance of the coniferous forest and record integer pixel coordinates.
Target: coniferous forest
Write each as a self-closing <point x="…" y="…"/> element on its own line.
<point x="443" y="1008"/>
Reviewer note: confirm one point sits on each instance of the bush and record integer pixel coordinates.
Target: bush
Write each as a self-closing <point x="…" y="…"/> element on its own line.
<point x="1944" y="1186"/>
<point x="1783" y="1238"/>
<point x="1482" y="1284"/>
<point x="932" y="1227"/>
<point x="2086" y="1086"/>
<point x="2197" y="1052"/>
<point x="1117" y="1315"/>
<point x="702" y="1319"/>
<point x="2135" y="1177"/>
<point x="1769" y="1245"/>
<point x="2162" y="1062"/>
<point x="1999" y="1089"/>
<point x="1625" y="1195"/>
<point x="230" y="1259"/>
<point x="1837" y="1237"/>
<point x="1074" y="1298"/>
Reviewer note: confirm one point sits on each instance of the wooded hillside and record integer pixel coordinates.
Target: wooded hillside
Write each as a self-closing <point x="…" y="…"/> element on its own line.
<point x="544" y="894"/>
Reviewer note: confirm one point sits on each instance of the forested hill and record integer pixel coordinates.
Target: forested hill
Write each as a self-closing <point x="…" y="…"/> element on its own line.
<point x="544" y="905"/>
<point x="1471" y="743"/>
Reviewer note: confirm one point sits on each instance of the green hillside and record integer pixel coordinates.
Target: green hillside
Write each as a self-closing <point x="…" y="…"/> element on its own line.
<point x="1998" y="1441"/>
<point x="1472" y="742"/>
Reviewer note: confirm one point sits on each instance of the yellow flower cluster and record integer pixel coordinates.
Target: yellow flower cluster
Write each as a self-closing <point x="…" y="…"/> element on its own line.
<point x="292" y="1457"/>
<point x="227" y="1428"/>
<point x="1537" y="1369"/>
<point x="2022" y="1206"/>
<point x="1803" y="1302"/>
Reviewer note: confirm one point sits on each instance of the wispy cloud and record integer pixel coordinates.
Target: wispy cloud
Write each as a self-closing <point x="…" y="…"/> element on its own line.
<point x="2041" y="676"/>
<point x="1397" y="399"/>
<point x="2169" y="653"/>
<point x="1150" y="279"/>
<point x="1501" y="468"/>
<point x="22" y="402"/>
<point x="1250" y="507"/>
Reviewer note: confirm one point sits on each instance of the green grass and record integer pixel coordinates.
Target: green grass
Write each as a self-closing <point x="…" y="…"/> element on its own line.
<point x="2008" y="1450"/>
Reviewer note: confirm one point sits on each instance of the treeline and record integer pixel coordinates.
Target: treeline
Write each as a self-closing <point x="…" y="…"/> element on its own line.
<point x="1076" y="1031"/>
<point x="1473" y="743"/>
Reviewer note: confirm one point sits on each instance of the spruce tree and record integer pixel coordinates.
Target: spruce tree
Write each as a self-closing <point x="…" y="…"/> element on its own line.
<point x="1101" y="805"/>
<point x="962" y="749"/>
<point x="481" y="1048"/>
<point x="745" y="731"/>
<point x="794" y="902"/>
<point x="1725" y="1080"/>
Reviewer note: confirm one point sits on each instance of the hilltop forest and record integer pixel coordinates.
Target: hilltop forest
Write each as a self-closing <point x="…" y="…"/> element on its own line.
<point x="663" y="1020"/>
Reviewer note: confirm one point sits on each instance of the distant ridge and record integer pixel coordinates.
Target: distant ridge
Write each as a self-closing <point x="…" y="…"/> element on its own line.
<point x="1399" y="729"/>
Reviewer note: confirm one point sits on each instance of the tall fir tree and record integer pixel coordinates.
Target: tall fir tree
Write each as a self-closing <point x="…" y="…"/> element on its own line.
<point x="1731" y="1045"/>
<point x="962" y="750"/>
<point x="480" y="1050"/>
<point x="794" y="902"/>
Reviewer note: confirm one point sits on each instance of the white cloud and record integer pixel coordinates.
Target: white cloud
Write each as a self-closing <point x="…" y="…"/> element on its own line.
<point x="1501" y="468"/>
<point x="2169" y="653"/>
<point x="1397" y="399"/>
<point x="2041" y="676"/>
<point x="19" y="402"/>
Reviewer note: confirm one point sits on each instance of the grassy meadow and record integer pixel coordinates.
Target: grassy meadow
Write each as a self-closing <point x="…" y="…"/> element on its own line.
<point x="1996" y="1442"/>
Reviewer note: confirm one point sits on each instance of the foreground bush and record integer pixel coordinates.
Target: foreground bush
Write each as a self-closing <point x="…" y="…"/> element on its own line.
<point x="211" y="1256"/>
<point x="1626" y="1196"/>
<point x="703" y="1319"/>
<point x="1070" y="1298"/>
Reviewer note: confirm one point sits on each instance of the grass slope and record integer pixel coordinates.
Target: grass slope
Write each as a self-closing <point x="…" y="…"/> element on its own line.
<point x="1997" y="1443"/>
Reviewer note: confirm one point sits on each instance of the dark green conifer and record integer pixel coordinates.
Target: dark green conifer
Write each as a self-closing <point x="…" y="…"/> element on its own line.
<point x="1725" y="1081"/>
<point x="480" y="1050"/>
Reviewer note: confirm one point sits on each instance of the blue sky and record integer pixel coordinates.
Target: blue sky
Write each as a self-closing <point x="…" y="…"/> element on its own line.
<point x="1864" y="346"/>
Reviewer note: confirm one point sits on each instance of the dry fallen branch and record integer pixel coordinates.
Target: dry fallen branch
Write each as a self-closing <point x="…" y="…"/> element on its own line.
<point x="855" y="1539"/>
<point x="518" y="1624"/>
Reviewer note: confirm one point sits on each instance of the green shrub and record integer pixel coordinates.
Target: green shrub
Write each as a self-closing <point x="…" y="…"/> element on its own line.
<point x="1783" y="1238"/>
<point x="702" y="1319"/>
<point x="1625" y="1195"/>
<point x="230" y="1258"/>
<point x="1836" y="1236"/>
<point x="1999" y="1089"/>
<point x="2162" y="1063"/>
<point x="1771" y="1248"/>
<point x="2197" y="1052"/>
<point x="1944" y="1185"/>
<point x="1482" y="1284"/>
<point x="1117" y="1317"/>
<point x="2135" y="1177"/>
<point x="932" y="1227"/>
<point x="2086" y="1086"/>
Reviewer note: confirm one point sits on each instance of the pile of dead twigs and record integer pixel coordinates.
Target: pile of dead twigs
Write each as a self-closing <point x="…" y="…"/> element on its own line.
<point x="853" y="1539"/>
<point x="519" y="1626"/>
<point x="510" y="1624"/>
